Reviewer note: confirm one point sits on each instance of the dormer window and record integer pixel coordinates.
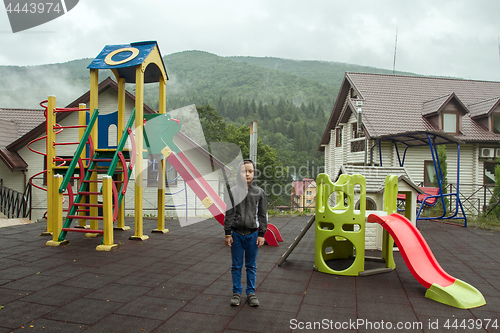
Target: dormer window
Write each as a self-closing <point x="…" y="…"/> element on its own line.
<point x="445" y="113"/>
<point x="354" y="93"/>
<point x="338" y="137"/>
<point x="495" y="121"/>
<point x="450" y="122"/>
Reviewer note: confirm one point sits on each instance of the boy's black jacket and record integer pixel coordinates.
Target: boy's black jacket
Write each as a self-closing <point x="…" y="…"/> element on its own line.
<point x="249" y="213"/>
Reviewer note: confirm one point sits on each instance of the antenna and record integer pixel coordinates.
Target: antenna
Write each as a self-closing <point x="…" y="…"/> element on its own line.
<point x="395" y="48"/>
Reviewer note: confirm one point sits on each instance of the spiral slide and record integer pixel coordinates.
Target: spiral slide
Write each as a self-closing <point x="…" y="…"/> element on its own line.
<point x="419" y="258"/>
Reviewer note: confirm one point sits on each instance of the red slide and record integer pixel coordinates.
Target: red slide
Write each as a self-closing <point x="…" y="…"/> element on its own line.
<point x="414" y="249"/>
<point x="419" y="258"/>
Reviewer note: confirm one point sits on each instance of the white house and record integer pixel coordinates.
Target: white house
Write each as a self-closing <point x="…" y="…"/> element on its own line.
<point x="376" y="117"/>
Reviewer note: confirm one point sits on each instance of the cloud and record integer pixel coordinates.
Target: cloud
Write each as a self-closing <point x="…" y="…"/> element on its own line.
<point x="18" y="91"/>
<point x="451" y="37"/>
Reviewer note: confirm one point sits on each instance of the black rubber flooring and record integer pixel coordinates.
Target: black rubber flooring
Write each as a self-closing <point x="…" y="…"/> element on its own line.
<point x="181" y="282"/>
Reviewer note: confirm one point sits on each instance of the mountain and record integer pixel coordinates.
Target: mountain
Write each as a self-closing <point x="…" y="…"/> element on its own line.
<point x="291" y="99"/>
<point x="201" y="76"/>
<point x="325" y="72"/>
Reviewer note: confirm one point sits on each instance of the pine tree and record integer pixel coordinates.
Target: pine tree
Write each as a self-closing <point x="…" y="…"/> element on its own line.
<point x="442" y="157"/>
<point x="253" y="108"/>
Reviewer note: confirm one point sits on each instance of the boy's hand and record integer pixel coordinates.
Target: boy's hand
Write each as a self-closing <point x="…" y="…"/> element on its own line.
<point x="260" y="241"/>
<point x="228" y="241"/>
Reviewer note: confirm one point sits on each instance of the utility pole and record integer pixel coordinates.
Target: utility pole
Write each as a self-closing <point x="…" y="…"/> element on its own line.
<point x="253" y="142"/>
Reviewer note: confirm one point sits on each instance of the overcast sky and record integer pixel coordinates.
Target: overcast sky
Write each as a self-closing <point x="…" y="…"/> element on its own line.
<point x="456" y="38"/>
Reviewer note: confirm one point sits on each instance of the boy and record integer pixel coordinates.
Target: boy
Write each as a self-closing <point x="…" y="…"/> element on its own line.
<point x="245" y="224"/>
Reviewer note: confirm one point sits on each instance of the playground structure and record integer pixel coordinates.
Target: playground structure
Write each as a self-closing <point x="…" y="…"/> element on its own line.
<point x="112" y="167"/>
<point x="340" y="230"/>
<point x="339" y="238"/>
<point x="137" y="63"/>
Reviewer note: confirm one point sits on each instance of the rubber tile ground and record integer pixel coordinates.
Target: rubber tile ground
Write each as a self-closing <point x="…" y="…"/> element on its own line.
<point x="181" y="282"/>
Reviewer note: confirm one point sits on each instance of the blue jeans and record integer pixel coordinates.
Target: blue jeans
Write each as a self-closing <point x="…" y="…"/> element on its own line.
<point x="244" y="246"/>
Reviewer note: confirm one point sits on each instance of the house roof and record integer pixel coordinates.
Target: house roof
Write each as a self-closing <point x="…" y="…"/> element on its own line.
<point x="13" y="160"/>
<point x="300" y="186"/>
<point x="406" y="100"/>
<point x="375" y="176"/>
<point x="483" y="108"/>
<point x="435" y="105"/>
<point x="25" y="125"/>
<point x="15" y="124"/>
<point x="118" y="57"/>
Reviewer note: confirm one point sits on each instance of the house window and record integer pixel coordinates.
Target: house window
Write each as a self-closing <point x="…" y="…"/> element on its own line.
<point x="496" y="123"/>
<point x="355" y="130"/>
<point x="170" y="173"/>
<point x="450" y="122"/>
<point x="309" y="193"/>
<point x="355" y="133"/>
<point x="309" y="202"/>
<point x="489" y="173"/>
<point x="429" y="174"/>
<point x="338" y="137"/>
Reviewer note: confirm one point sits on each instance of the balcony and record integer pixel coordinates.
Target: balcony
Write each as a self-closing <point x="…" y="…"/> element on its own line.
<point x="358" y="145"/>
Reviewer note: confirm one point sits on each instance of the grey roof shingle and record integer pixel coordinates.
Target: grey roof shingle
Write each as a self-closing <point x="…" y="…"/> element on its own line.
<point x="18" y="122"/>
<point x="375" y="176"/>
<point x="404" y="100"/>
<point x="434" y="105"/>
<point x="15" y="124"/>
<point x="483" y="108"/>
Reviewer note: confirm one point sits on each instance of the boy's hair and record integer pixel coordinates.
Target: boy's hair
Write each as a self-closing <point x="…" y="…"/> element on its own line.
<point x="240" y="181"/>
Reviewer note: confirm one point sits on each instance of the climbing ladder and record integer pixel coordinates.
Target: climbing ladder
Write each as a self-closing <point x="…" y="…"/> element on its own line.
<point x="84" y="204"/>
<point x="99" y="156"/>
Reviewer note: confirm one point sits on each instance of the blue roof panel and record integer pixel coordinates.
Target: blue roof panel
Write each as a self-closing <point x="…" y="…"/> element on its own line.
<point x="115" y="57"/>
<point x="144" y="48"/>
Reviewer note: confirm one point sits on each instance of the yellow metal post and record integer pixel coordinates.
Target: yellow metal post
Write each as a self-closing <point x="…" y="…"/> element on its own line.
<point x="94" y="97"/>
<point x="161" y="198"/>
<point x="51" y="154"/>
<point x="390" y="206"/>
<point x="82" y="121"/>
<point x="161" y="166"/>
<point x="107" y="222"/>
<point x="57" y="211"/>
<point x="139" y="115"/>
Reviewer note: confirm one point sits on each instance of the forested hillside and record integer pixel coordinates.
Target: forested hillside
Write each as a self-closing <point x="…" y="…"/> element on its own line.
<point x="327" y="73"/>
<point x="291" y="110"/>
<point x="290" y="99"/>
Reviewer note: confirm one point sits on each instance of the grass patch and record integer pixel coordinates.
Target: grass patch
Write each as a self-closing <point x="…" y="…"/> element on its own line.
<point x="485" y="222"/>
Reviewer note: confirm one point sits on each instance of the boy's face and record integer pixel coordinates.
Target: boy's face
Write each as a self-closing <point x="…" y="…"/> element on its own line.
<point x="247" y="172"/>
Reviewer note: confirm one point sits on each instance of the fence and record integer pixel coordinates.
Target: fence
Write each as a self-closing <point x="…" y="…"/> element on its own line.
<point x="475" y="198"/>
<point x="15" y="204"/>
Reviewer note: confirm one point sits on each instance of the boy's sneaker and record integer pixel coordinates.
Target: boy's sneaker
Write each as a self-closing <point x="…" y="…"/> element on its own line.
<point x="252" y="300"/>
<point x="235" y="300"/>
